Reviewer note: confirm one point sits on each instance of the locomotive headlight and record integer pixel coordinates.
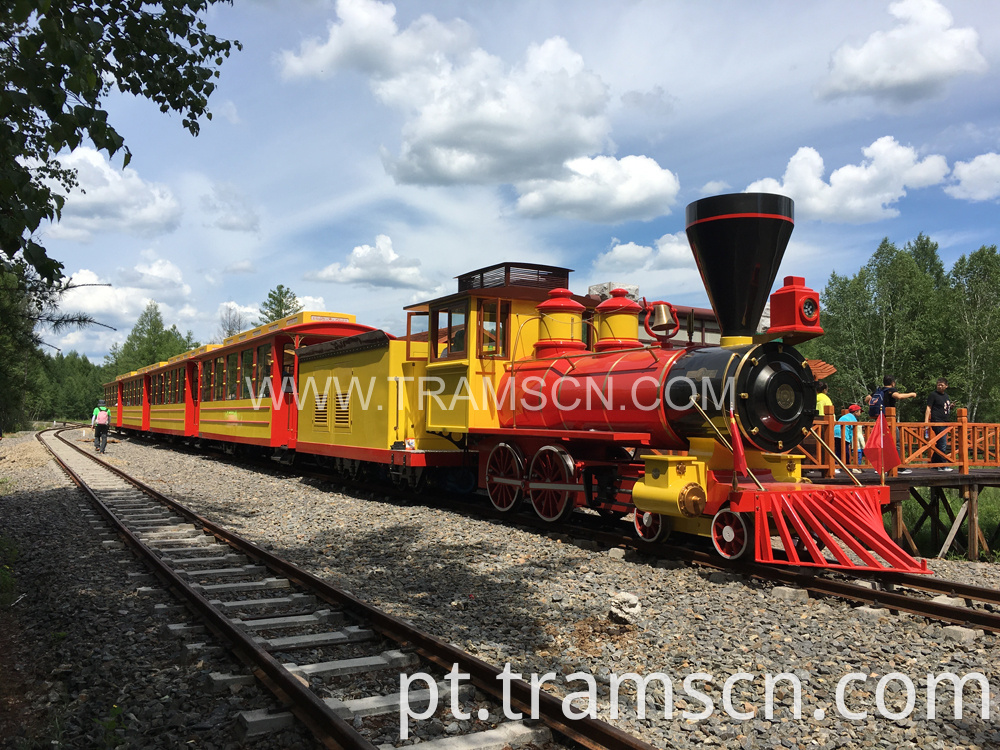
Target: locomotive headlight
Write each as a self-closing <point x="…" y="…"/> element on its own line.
<point x="809" y="308"/>
<point x="785" y="396"/>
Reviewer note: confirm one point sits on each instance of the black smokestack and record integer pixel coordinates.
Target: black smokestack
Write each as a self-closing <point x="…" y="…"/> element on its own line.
<point x="738" y="241"/>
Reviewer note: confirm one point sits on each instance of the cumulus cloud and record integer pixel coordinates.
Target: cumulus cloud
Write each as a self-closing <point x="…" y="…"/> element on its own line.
<point x="113" y="200"/>
<point x="666" y="268"/>
<point x="157" y="276"/>
<point x="856" y="193"/>
<point x="229" y="209"/>
<point x="367" y="39"/>
<point x="470" y="118"/>
<point x="912" y="61"/>
<point x="378" y="266"/>
<point x="715" y="187"/>
<point x="672" y="252"/>
<point x="978" y="180"/>
<point x="603" y="189"/>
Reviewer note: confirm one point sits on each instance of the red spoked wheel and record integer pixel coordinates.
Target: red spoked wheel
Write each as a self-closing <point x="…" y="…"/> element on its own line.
<point x="504" y="475"/>
<point x="651" y="527"/>
<point x="553" y="468"/>
<point x="732" y="533"/>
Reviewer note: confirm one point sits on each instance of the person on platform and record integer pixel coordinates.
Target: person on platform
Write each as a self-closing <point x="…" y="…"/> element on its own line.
<point x="822" y="397"/>
<point x="100" y="421"/>
<point x="845" y="441"/>
<point x="892" y="396"/>
<point x="938" y="409"/>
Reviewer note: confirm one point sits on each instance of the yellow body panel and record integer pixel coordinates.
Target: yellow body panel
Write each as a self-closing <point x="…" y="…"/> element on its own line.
<point x="237" y="418"/>
<point x="132" y="416"/>
<point x="664" y="479"/>
<point x="366" y="399"/>
<point x="167" y="417"/>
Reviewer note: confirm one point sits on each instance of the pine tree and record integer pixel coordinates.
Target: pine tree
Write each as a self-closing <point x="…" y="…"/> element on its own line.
<point x="281" y="302"/>
<point x="148" y="342"/>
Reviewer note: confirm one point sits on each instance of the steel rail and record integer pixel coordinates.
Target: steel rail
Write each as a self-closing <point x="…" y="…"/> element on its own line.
<point x="590" y="733"/>
<point x="328" y="728"/>
<point x="941" y="586"/>
<point x="824" y="586"/>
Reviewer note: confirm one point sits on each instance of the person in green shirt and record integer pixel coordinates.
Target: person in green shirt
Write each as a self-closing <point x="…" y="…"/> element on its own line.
<point x="100" y="421"/>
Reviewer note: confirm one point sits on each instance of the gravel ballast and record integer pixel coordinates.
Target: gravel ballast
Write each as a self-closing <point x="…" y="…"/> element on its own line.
<point x="543" y="605"/>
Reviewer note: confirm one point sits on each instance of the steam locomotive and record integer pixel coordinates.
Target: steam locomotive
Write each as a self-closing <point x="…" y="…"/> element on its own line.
<point x="556" y="400"/>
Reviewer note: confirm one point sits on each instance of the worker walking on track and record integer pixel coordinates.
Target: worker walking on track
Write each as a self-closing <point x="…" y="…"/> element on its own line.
<point x="100" y="421"/>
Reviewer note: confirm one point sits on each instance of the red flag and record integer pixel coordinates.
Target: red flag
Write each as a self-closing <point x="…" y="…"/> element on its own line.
<point x="739" y="457"/>
<point x="881" y="448"/>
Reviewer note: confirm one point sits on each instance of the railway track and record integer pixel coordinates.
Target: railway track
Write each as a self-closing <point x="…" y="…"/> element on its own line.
<point x="955" y="603"/>
<point x="320" y="650"/>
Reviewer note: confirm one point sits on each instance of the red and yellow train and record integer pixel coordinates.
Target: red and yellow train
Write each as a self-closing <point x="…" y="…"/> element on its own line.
<point x="539" y="396"/>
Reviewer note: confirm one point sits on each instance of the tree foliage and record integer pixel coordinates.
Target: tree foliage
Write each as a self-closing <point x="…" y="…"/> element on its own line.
<point x="149" y="342"/>
<point x="902" y="314"/>
<point x="976" y="307"/>
<point x="281" y="302"/>
<point x="232" y="320"/>
<point x="28" y="307"/>
<point x="58" y="60"/>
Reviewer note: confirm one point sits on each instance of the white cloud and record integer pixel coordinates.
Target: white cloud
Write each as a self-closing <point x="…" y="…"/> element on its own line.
<point x="481" y="123"/>
<point x="309" y="302"/>
<point x="229" y="112"/>
<point x="378" y="266"/>
<point x="603" y="189"/>
<point x="112" y="200"/>
<point x="672" y="252"/>
<point x="715" y="187"/>
<point x="159" y="276"/>
<point x="912" y="61"/>
<point x="249" y="312"/>
<point x="668" y="268"/>
<point x="978" y="180"/>
<point x="473" y="119"/>
<point x="229" y="209"/>
<point x="856" y="193"/>
<point x="367" y="39"/>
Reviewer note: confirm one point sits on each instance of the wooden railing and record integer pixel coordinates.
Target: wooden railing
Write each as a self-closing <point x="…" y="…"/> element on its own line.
<point x="969" y="444"/>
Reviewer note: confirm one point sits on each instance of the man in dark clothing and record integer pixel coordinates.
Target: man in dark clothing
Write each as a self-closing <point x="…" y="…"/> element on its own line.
<point x="938" y="409"/>
<point x="891" y="396"/>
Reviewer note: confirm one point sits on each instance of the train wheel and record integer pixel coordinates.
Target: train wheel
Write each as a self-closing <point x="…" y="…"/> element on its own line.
<point x="554" y="466"/>
<point x="504" y="474"/>
<point x="651" y="527"/>
<point x="732" y="533"/>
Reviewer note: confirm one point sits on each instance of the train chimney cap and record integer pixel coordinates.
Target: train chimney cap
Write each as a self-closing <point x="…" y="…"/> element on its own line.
<point x="738" y="241"/>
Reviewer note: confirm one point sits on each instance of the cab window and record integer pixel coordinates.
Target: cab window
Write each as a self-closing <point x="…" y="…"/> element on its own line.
<point x="448" y="334"/>
<point x="494" y="318"/>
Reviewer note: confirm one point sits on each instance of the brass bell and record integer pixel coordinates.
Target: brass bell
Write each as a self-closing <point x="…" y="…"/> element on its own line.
<point x="662" y="320"/>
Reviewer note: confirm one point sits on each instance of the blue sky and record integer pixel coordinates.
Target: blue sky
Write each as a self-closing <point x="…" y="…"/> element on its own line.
<point x="364" y="153"/>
